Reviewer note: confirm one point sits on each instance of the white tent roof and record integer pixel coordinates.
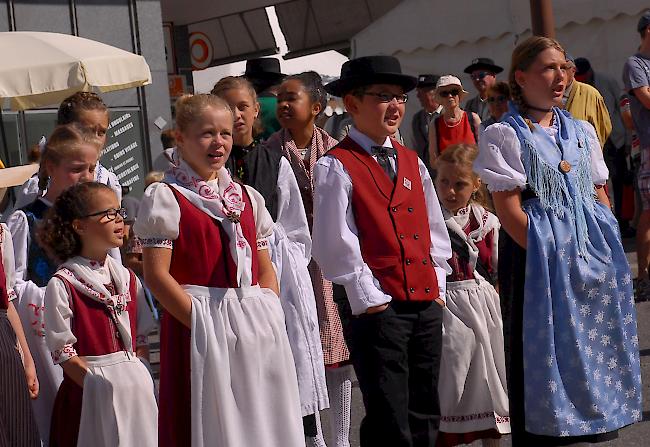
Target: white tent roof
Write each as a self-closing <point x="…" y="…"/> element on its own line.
<point x="443" y="37"/>
<point x="238" y="30"/>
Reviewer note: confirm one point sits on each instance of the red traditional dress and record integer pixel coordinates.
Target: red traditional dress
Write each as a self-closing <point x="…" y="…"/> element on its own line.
<point x="230" y="380"/>
<point x="99" y="312"/>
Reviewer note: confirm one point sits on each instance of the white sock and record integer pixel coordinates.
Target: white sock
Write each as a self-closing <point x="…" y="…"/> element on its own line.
<point x="339" y="387"/>
<point x="317" y="441"/>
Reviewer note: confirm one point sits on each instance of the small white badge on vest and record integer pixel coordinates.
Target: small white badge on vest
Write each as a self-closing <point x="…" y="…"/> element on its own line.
<point x="407" y="183"/>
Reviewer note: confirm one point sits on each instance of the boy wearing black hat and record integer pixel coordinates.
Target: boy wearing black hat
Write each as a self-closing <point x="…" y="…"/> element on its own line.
<point x="426" y="89"/>
<point x="265" y="75"/>
<point x="483" y="72"/>
<point x="379" y="232"/>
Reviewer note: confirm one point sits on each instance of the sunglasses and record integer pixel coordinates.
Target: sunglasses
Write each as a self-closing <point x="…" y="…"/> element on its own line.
<point x="499" y="99"/>
<point x="388" y="97"/>
<point x="481" y="75"/>
<point x="110" y="214"/>
<point x="447" y="93"/>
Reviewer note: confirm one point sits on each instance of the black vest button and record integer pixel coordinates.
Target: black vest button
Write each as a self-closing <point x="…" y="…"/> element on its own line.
<point x="394" y="209"/>
<point x="401" y="236"/>
<point x="410" y="209"/>
<point x="408" y="262"/>
<point x="412" y="290"/>
<point x="424" y="261"/>
<point x="427" y="290"/>
<point x="416" y="236"/>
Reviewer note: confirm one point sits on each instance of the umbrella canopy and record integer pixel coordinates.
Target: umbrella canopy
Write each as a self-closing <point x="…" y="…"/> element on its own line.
<point x="40" y="69"/>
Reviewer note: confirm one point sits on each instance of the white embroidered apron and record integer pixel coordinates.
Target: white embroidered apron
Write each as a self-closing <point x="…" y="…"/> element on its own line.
<point x="118" y="407"/>
<point x="244" y="387"/>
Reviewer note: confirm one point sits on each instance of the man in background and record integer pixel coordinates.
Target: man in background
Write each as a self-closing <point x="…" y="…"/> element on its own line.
<point x="426" y="92"/>
<point x="483" y="72"/>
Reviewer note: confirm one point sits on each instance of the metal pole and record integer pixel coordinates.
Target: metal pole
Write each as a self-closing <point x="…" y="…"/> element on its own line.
<point x="542" y="19"/>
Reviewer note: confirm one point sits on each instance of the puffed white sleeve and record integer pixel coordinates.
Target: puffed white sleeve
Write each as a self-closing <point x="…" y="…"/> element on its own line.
<point x="58" y="322"/>
<point x="335" y="241"/>
<point x="263" y="221"/>
<point x="440" y="244"/>
<point x="599" y="171"/>
<point x="26" y="290"/>
<point x="498" y="163"/>
<point x="158" y="217"/>
<point x="146" y="322"/>
<point x="8" y="261"/>
<point x="291" y="210"/>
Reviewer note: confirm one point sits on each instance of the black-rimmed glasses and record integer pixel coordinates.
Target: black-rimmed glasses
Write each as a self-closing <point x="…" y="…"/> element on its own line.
<point x="110" y="214"/>
<point x="388" y="97"/>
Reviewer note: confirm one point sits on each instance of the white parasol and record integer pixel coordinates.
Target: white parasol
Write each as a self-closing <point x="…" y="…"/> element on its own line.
<point x="40" y="69"/>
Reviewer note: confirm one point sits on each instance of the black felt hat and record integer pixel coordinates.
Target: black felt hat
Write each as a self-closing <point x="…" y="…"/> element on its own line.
<point x="427" y="80"/>
<point x="264" y="68"/>
<point x="370" y="70"/>
<point x="484" y="63"/>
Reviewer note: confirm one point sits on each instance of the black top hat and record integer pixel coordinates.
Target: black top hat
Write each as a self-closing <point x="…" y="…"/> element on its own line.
<point x="483" y="63"/>
<point x="370" y="70"/>
<point x="265" y="68"/>
<point x="427" y="80"/>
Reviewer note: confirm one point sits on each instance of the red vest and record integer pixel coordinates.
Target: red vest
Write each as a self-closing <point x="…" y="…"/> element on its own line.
<point x="392" y="221"/>
<point x="200" y="257"/>
<point x="96" y="332"/>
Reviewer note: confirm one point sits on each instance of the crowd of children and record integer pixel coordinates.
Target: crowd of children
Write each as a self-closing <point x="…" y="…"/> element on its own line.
<point x="286" y="266"/>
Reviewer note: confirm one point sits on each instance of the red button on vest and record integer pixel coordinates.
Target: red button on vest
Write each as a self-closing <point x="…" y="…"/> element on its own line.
<point x="384" y="212"/>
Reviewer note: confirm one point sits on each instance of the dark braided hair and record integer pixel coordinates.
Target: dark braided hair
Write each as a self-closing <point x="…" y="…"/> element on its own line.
<point x="72" y="106"/>
<point x="523" y="57"/>
<point x="313" y="84"/>
<point x="64" y="142"/>
<point x="55" y="233"/>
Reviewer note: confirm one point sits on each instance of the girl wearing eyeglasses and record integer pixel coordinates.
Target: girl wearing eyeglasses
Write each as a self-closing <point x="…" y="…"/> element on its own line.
<point x="69" y="157"/>
<point x="96" y="318"/>
<point x="454" y="125"/>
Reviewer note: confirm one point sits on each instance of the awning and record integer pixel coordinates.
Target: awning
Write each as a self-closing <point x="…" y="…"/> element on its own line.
<point x="229" y="31"/>
<point x="223" y="31"/>
<point x="312" y="26"/>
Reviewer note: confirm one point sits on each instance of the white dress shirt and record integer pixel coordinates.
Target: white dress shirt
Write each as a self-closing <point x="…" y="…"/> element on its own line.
<point x="335" y="238"/>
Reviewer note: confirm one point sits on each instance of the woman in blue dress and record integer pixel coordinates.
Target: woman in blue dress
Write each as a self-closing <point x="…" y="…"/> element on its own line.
<point x="574" y="371"/>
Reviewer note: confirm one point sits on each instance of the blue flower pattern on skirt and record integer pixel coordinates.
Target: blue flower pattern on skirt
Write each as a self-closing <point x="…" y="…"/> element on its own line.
<point x="581" y="357"/>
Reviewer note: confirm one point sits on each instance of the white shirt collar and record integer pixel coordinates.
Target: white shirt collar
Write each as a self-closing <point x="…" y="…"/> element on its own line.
<point x="364" y="141"/>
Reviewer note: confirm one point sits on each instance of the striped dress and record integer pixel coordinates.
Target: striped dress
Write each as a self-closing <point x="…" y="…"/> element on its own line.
<point x="17" y="424"/>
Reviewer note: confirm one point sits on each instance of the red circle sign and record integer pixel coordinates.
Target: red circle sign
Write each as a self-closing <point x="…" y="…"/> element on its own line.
<point x="200" y="50"/>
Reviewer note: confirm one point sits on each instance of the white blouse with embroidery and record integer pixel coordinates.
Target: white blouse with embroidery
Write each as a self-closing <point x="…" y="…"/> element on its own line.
<point x="58" y="319"/>
<point x="159" y="215"/>
<point x="499" y="159"/>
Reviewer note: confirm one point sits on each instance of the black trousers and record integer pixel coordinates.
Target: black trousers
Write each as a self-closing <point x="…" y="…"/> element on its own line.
<point x="396" y="356"/>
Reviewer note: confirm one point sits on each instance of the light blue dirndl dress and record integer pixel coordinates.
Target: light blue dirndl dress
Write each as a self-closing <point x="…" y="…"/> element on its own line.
<point x="580" y="344"/>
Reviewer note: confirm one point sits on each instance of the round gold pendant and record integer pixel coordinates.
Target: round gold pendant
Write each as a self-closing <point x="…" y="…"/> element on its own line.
<point x="565" y="166"/>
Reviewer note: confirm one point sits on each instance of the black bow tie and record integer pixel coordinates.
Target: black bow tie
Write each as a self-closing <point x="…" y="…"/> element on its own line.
<point x="383" y="155"/>
<point x="383" y="151"/>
